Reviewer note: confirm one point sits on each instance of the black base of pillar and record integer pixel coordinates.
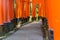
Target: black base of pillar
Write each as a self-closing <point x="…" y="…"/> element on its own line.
<point x="6" y="28"/>
<point x="28" y="19"/>
<point x="1" y="30"/>
<point x="18" y="20"/>
<point x="24" y="20"/>
<point x="11" y="26"/>
<point x="33" y="19"/>
<point x="51" y="35"/>
<point x="14" y="21"/>
<point x="45" y="28"/>
<point x="40" y="17"/>
<point x="44" y="22"/>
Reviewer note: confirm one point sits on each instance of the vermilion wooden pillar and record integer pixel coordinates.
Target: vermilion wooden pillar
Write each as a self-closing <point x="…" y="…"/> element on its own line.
<point x="26" y="9"/>
<point x="1" y="12"/>
<point x="23" y="11"/>
<point x="11" y="4"/>
<point x="1" y="17"/>
<point x="11" y="13"/>
<point x="41" y="8"/>
<point x="5" y="16"/>
<point x="19" y="10"/>
<point x="33" y="8"/>
<point x="8" y="11"/>
<point x="5" y="11"/>
<point x="53" y="16"/>
<point x="8" y="14"/>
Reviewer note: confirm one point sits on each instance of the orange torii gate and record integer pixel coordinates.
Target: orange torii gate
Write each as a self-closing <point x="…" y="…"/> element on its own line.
<point x="27" y="9"/>
<point x="41" y="8"/>
<point x="33" y="9"/>
<point x="1" y="13"/>
<point x="53" y="16"/>
<point x="45" y="12"/>
<point x="19" y="9"/>
<point x="22" y="9"/>
<point x="19" y="12"/>
<point x="10" y="13"/>
<point x="11" y="5"/>
<point x="1" y="16"/>
<point x="6" y="15"/>
<point x="48" y="9"/>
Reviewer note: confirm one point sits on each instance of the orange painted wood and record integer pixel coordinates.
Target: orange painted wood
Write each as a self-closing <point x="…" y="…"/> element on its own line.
<point x="23" y="9"/>
<point x="11" y="8"/>
<point x="8" y="11"/>
<point x="33" y="8"/>
<point x="19" y="9"/>
<point x="26" y="8"/>
<point x="53" y="16"/>
<point x="41" y="8"/>
<point x="1" y="12"/>
<point x="49" y="13"/>
<point x="5" y="11"/>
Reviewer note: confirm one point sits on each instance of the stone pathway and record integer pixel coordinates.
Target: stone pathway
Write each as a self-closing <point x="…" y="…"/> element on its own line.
<point x="30" y="31"/>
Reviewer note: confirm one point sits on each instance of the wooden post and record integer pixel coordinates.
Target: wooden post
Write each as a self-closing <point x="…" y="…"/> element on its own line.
<point x="19" y="11"/>
<point x="26" y="9"/>
<point x="53" y="16"/>
<point x="33" y="9"/>
<point x="41" y="8"/>
<point x="1" y="17"/>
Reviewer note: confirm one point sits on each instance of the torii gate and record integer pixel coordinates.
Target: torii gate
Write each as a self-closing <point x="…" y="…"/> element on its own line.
<point x="48" y="9"/>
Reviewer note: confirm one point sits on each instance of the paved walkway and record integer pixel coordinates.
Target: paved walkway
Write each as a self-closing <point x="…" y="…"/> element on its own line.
<point x="30" y="31"/>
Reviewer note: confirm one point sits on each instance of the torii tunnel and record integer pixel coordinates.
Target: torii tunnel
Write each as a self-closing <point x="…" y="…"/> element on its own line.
<point x="47" y="9"/>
